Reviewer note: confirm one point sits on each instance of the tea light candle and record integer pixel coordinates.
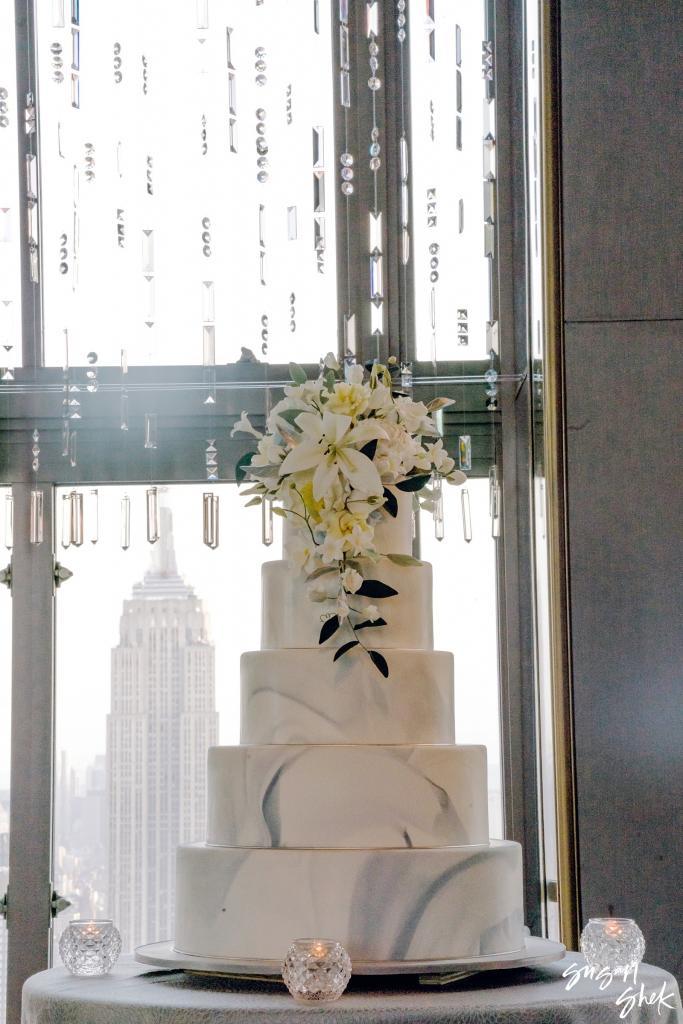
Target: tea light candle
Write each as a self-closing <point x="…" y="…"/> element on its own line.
<point x="90" y="948"/>
<point x="613" y="943"/>
<point x="316" y="970"/>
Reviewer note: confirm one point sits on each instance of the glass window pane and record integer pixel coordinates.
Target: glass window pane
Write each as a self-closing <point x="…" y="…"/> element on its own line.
<point x="466" y="623"/>
<point x="187" y="161"/>
<point x="450" y="118"/>
<point x="148" y="647"/>
<point x="5" y="725"/>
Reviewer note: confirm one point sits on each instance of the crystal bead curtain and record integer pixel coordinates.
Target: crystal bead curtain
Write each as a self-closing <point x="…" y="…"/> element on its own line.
<point x="10" y="287"/>
<point x="177" y="200"/>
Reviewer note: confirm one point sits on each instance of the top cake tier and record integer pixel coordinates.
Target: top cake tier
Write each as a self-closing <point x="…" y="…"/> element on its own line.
<point x="292" y="619"/>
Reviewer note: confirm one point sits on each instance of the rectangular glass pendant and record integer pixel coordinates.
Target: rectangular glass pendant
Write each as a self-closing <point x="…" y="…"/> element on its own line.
<point x="262" y="225"/>
<point x="58" y="13"/>
<point x="76" y="12"/>
<point x="150" y="430"/>
<point x="125" y="522"/>
<point x="124" y="410"/>
<point x="458" y="45"/>
<point x="208" y="302"/>
<point x="147" y="251"/>
<point x="76" y="503"/>
<point x="291" y="224"/>
<point x="211" y="519"/>
<point x="492" y="336"/>
<point x="372" y="18"/>
<point x="350" y="333"/>
<point x="489" y="168"/>
<point x="232" y="135"/>
<point x="319" y="234"/>
<point x="466" y="515"/>
<point x="9" y="521"/>
<point x="148" y="299"/>
<point x="318" y="146"/>
<point x="75" y="91"/>
<point x="202" y="13"/>
<point x="316" y="17"/>
<point x="267" y="522"/>
<point x="93" y="515"/>
<point x="489" y="240"/>
<point x="345" y="88"/>
<point x="262" y="267"/>
<point x="344" y="10"/>
<point x="458" y="91"/>
<point x="35" y="535"/>
<point x="73" y="447"/>
<point x="376" y="318"/>
<point x="232" y="93"/>
<point x="405" y="246"/>
<point x="75" y="49"/>
<point x="465" y="452"/>
<point x="209" y="345"/>
<point x="375" y="232"/>
<point x="228" y="46"/>
<point x="66" y="521"/>
<point x="376" y="280"/>
<point x="319" y="192"/>
<point x="458" y="132"/>
<point x="490" y="202"/>
<point x="152" y="515"/>
<point x="403" y="157"/>
<point x="494" y="501"/>
<point x="437" y="498"/>
<point x="31" y="168"/>
<point x="461" y="216"/>
<point x="5" y="224"/>
<point x="344" y="46"/>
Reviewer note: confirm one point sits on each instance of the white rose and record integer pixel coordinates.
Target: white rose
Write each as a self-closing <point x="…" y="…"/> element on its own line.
<point x="352" y="581"/>
<point x="372" y="612"/>
<point x="354" y="374"/>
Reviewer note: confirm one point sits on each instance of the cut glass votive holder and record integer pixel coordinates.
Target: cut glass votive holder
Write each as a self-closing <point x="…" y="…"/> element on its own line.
<point x="316" y="970"/>
<point x="614" y="943"/>
<point x="90" y="948"/>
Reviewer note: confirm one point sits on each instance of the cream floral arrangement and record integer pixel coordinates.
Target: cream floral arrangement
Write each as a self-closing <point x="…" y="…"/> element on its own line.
<point x="333" y="450"/>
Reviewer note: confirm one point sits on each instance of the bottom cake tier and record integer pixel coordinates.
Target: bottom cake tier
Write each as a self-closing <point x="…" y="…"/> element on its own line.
<point x="438" y="904"/>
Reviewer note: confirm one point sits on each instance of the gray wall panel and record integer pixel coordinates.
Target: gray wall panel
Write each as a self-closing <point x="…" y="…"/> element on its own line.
<point x="622" y="154"/>
<point x="625" y="483"/>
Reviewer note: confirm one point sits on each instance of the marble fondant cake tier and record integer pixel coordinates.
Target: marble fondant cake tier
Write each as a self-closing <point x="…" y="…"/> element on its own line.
<point x="380" y="904"/>
<point x="347" y="796"/>
<point x="302" y="696"/>
<point x="291" y="619"/>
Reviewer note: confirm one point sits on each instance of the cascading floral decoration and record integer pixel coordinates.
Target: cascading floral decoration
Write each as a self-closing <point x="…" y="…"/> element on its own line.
<point x="332" y="450"/>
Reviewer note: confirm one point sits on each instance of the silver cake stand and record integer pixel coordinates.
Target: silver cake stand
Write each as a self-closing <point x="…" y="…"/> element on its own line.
<point x="432" y="972"/>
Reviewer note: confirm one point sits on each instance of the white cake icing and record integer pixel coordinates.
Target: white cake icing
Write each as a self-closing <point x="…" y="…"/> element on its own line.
<point x="348" y="812"/>
<point x="304" y="697"/>
<point x="347" y="796"/>
<point x="291" y="619"/>
<point x="381" y="904"/>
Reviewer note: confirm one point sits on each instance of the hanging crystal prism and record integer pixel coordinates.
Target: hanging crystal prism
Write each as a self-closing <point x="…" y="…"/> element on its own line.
<point x="93" y="515"/>
<point x="407" y="377"/>
<point x="267" y="522"/>
<point x="9" y="521"/>
<point x="211" y="459"/>
<point x="66" y="521"/>
<point x="150" y="430"/>
<point x="76" y="510"/>
<point x="210" y="519"/>
<point x="465" y="451"/>
<point x="147" y="251"/>
<point x="36" y="518"/>
<point x="125" y="522"/>
<point x="124" y="410"/>
<point x="65" y="439"/>
<point x="437" y="498"/>
<point x="152" y="515"/>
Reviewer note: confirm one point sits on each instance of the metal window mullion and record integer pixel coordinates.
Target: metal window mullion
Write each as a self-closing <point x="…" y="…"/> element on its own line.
<point x="31" y="788"/>
<point x="27" y="84"/>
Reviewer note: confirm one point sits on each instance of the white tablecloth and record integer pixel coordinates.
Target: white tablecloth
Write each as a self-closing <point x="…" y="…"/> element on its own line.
<point x="135" y="994"/>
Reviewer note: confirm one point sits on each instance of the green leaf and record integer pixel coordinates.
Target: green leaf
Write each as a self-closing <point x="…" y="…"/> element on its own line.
<point x="277" y="511"/>
<point x="380" y="663"/>
<point x="404" y="560"/>
<point x="439" y="403"/>
<point x="321" y="571"/>
<point x="369" y="623"/>
<point x="341" y="651"/>
<point x="413" y="483"/>
<point x="377" y="589"/>
<point x="369" y="449"/>
<point x="390" y="502"/>
<point x="297" y="374"/>
<point x="253" y="501"/>
<point x="330" y="627"/>
<point x="242" y="465"/>
<point x="265" y="471"/>
<point x="289" y="416"/>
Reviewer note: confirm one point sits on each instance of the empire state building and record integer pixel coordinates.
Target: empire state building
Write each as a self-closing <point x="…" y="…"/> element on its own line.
<point x="162" y="721"/>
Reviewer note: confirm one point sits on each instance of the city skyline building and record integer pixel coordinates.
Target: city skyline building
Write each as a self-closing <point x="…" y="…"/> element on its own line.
<point x="162" y="721"/>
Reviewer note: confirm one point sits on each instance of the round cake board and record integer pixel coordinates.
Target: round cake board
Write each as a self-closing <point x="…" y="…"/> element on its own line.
<point x="536" y="951"/>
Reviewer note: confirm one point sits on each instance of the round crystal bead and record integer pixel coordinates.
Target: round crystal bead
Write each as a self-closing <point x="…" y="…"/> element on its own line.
<point x="374" y="83"/>
<point x="401" y="20"/>
<point x="434" y="247"/>
<point x="616" y="943"/>
<point x="347" y="188"/>
<point x="261" y="80"/>
<point x="434" y="276"/>
<point x="375" y="149"/>
<point x="316" y="970"/>
<point x="260" y="114"/>
<point x="262" y="177"/>
<point x="490" y="376"/>
<point x="374" y="134"/>
<point x="374" y="63"/>
<point x="89" y="948"/>
<point x="401" y="35"/>
<point x="347" y="173"/>
<point x="375" y="163"/>
<point x="373" y="49"/>
<point x="347" y="159"/>
<point x="260" y="65"/>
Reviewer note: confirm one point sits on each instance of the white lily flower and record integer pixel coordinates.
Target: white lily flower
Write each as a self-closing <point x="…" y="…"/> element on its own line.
<point x="352" y="581"/>
<point x="371" y="612"/>
<point x="354" y="373"/>
<point x="328" y="447"/>
<point x="331" y="549"/>
<point x="243" y="426"/>
<point x="330" y="361"/>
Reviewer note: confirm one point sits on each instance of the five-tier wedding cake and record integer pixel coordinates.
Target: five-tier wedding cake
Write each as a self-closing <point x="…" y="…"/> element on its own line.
<point x="348" y="812"/>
